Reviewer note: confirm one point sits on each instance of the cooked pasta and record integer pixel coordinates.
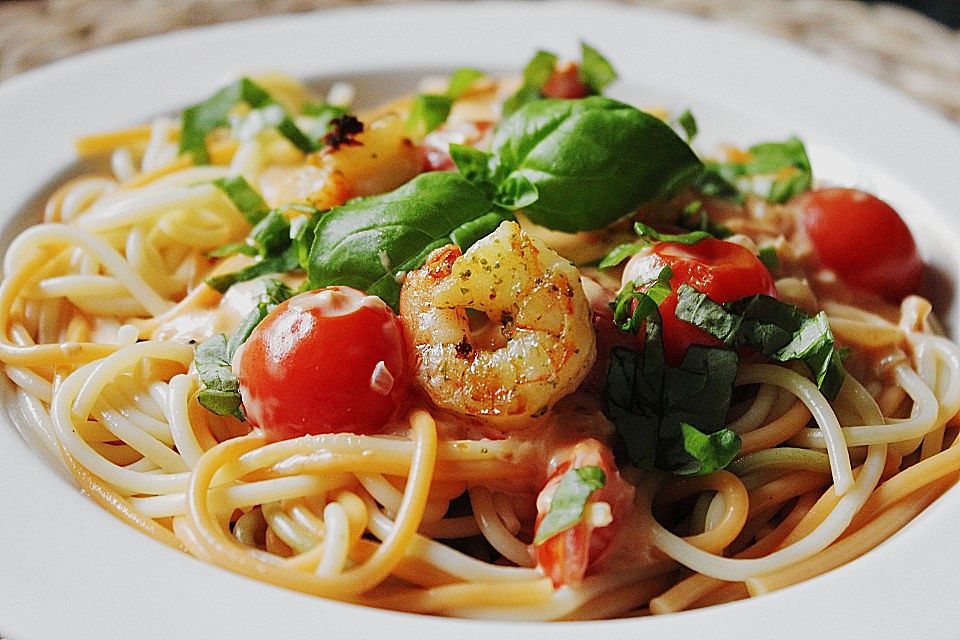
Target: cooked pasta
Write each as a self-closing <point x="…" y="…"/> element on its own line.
<point x="487" y="393"/>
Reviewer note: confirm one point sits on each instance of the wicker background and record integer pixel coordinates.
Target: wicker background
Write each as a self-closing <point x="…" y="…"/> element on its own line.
<point x="899" y="46"/>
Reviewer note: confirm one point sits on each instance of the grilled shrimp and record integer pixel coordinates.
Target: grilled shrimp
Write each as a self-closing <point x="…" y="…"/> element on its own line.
<point x="502" y="331"/>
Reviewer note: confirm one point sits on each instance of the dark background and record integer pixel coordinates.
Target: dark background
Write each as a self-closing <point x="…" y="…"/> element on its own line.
<point x="946" y="11"/>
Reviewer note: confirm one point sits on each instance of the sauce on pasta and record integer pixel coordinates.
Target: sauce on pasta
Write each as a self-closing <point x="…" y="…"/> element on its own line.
<point x="502" y="349"/>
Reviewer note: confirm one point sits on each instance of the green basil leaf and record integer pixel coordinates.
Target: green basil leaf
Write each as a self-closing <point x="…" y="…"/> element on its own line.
<point x="690" y="238"/>
<point x="244" y="198"/>
<point x="593" y="161"/>
<point x="516" y="192"/>
<point x="427" y="112"/>
<point x="274" y="293"/>
<point x="460" y="81"/>
<point x="272" y="234"/>
<point x="365" y="243"/>
<point x="221" y="394"/>
<point x="768" y="256"/>
<point x="688" y="123"/>
<point x="286" y="261"/>
<point x="526" y="94"/>
<point x="569" y="502"/>
<point x="619" y="253"/>
<point x="694" y="217"/>
<point x="473" y="163"/>
<point x="198" y="121"/>
<point x="595" y="71"/>
<point x="711" y="182"/>
<point x="232" y="249"/>
<point x="540" y="68"/>
<point x="710" y="452"/>
<point x="787" y="160"/>
<point x="776" y="329"/>
<point x="640" y="300"/>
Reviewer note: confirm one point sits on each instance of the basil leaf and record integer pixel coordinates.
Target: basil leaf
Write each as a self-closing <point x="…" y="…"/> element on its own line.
<point x="694" y="217"/>
<point x="516" y="192"/>
<point x="286" y="261"/>
<point x="768" y="256"/>
<point x="244" y="198"/>
<point x="232" y="249"/>
<point x="787" y="160"/>
<point x="776" y="329"/>
<point x="221" y="393"/>
<point x="570" y="501"/>
<point x="272" y="234"/>
<point x="198" y="121"/>
<point x="595" y="71"/>
<point x="535" y="75"/>
<point x="274" y="293"/>
<point x="365" y="243"/>
<point x="711" y="182"/>
<point x="688" y="123"/>
<point x="710" y="452"/>
<point x="690" y="238"/>
<point x="461" y="80"/>
<point x="633" y="395"/>
<point x="592" y="161"/>
<point x="618" y="254"/>
<point x="655" y="290"/>
<point x="427" y="112"/>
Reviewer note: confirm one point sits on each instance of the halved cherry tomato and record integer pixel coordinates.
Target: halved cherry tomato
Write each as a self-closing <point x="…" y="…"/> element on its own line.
<point x="326" y="361"/>
<point x="723" y="270"/>
<point x="565" y="557"/>
<point x="863" y="240"/>
<point x="565" y="82"/>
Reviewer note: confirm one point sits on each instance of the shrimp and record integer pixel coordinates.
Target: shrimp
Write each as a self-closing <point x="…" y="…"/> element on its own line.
<point x="565" y="557"/>
<point x="502" y="331"/>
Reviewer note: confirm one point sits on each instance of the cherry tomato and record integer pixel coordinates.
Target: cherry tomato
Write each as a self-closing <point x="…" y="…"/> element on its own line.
<point x="326" y="361"/>
<point x="723" y="270"/>
<point x="565" y="82"/>
<point x="863" y="240"/>
<point x="566" y="556"/>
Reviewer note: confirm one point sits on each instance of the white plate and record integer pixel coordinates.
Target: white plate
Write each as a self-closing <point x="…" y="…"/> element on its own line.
<point x="69" y="570"/>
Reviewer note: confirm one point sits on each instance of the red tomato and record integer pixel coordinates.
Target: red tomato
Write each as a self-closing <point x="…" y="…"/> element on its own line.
<point x="565" y="82"/>
<point x="326" y="361"/>
<point x="566" y="556"/>
<point x="723" y="270"/>
<point x="863" y="240"/>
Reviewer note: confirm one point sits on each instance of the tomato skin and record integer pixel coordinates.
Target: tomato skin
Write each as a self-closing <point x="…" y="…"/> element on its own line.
<point x="863" y="240"/>
<point x="565" y="557"/>
<point x="327" y="361"/>
<point x="723" y="270"/>
<point x="565" y="82"/>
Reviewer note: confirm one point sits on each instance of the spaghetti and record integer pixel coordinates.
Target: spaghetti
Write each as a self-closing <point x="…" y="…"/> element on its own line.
<point x="446" y="506"/>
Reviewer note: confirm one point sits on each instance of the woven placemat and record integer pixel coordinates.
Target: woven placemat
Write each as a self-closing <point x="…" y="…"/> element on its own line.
<point x="897" y="45"/>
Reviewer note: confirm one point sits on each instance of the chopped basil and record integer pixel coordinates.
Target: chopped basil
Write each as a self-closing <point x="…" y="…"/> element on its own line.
<point x="221" y="392"/>
<point x="570" y="501"/>
<point x="711" y="182"/>
<point x="786" y="161"/>
<point x="688" y="123"/>
<point x="201" y="119"/>
<point x="776" y="329"/>
<point x="595" y="71"/>
<point x="647" y="294"/>
<point x="694" y="217"/>
<point x="232" y="249"/>
<point x="244" y="198"/>
<point x="693" y="237"/>
<point x="768" y="256"/>
<point x="429" y="111"/>
<point x="279" y="247"/>
<point x="710" y="452"/>
<point x="619" y="253"/>
<point x="366" y="242"/>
